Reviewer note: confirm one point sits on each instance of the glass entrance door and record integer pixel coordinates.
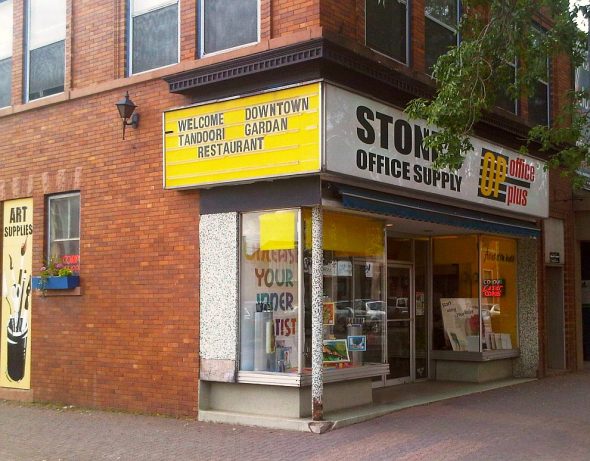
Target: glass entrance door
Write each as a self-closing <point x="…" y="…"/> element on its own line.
<point x="400" y="324"/>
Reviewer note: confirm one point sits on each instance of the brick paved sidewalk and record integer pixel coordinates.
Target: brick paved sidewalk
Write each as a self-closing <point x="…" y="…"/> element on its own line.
<point x="547" y="419"/>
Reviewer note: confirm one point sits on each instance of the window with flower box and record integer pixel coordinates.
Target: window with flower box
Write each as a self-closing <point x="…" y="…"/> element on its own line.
<point x="63" y="233"/>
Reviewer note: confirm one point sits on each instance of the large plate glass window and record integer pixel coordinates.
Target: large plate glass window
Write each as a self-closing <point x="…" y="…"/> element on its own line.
<point x="228" y="24"/>
<point x="474" y="293"/>
<point x="538" y="101"/>
<point x="5" y="52"/>
<point x="498" y="293"/>
<point x="442" y="17"/>
<point x="354" y="320"/>
<point x="269" y="292"/>
<point x="63" y="242"/>
<point x="455" y="293"/>
<point x="386" y="27"/>
<point x="154" y="34"/>
<point x="45" y="47"/>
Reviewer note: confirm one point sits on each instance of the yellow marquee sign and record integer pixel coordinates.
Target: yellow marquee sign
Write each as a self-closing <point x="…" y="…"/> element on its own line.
<point x="267" y="135"/>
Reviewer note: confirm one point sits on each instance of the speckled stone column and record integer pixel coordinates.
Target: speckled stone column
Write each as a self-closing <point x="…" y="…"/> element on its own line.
<point x="219" y="260"/>
<point x="317" y="280"/>
<point x="527" y="364"/>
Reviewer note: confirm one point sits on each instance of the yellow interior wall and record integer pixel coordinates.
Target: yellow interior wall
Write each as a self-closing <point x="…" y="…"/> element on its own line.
<point x="500" y="262"/>
<point x="461" y="250"/>
<point x="349" y="234"/>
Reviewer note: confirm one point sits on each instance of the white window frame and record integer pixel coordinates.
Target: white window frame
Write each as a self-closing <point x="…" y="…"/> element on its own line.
<point x="48" y="240"/>
<point x="407" y="62"/>
<point x="201" y="35"/>
<point x="11" y="55"/>
<point x="130" y="17"/>
<point x="28" y="53"/>
<point x="514" y="65"/>
<point x="547" y="81"/>
<point x="455" y="29"/>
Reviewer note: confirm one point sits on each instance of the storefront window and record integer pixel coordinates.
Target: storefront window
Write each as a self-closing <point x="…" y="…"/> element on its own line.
<point x="498" y="293"/>
<point x="455" y="282"/>
<point x="354" y="307"/>
<point x="465" y="278"/>
<point x="269" y="301"/>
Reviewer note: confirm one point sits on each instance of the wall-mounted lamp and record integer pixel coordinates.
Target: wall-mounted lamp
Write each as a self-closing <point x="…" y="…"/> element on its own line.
<point x="126" y="108"/>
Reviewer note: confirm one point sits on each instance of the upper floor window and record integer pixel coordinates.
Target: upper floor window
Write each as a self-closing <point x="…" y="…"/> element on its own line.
<point x="154" y="34"/>
<point x="63" y="242"/>
<point x="440" y="28"/>
<point x="5" y="52"/>
<point x="386" y="27"/>
<point x="228" y="24"/>
<point x="46" y="36"/>
<point x="504" y="100"/>
<point x="538" y="100"/>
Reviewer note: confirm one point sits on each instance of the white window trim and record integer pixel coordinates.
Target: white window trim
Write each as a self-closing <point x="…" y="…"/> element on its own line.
<point x="201" y="13"/>
<point x="2" y="58"/>
<point x="541" y="30"/>
<point x="130" y="17"/>
<point x="455" y="29"/>
<point x="407" y="62"/>
<point x="9" y="105"/>
<point x="28" y="50"/>
<point x="48" y="240"/>
<point x="514" y="65"/>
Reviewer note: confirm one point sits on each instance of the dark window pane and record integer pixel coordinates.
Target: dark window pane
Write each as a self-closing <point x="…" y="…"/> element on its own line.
<point x="443" y="10"/>
<point x="503" y="99"/>
<point x="46" y="70"/>
<point x="155" y="39"/>
<point x="229" y="23"/>
<point x="386" y="28"/>
<point x="539" y="105"/>
<point x="438" y="41"/>
<point x="5" y="81"/>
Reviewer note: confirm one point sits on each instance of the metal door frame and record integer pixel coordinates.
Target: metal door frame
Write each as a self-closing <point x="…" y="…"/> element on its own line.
<point x="411" y="320"/>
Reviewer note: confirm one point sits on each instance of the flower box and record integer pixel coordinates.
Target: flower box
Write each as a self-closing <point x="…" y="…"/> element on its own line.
<point x="57" y="283"/>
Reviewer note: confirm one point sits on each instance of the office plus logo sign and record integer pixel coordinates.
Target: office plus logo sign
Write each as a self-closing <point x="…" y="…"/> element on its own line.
<point x="505" y="180"/>
<point x="492" y="175"/>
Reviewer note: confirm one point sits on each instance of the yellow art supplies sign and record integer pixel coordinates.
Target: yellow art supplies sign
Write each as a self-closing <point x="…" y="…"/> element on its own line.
<point x="17" y="264"/>
<point x="262" y="136"/>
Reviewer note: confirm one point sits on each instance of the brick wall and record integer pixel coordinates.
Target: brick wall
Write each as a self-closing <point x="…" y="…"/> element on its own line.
<point x="289" y="16"/>
<point x="130" y="340"/>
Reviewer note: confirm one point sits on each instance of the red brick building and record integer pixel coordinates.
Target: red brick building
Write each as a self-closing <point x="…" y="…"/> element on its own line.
<point x="129" y="336"/>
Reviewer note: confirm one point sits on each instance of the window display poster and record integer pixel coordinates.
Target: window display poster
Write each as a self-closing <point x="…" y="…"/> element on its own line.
<point x="357" y="343"/>
<point x="335" y="351"/>
<point x="269" y="289"/>
<point x="329" y="313"/>
<point x="460" y="320"/>
<point x="17" y="262"/>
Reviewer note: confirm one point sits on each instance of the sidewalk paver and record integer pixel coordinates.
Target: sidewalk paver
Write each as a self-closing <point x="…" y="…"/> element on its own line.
<point x="547" y="419"/>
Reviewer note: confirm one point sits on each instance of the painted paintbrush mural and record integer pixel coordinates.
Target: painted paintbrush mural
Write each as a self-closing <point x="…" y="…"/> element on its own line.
<point x="17" y="261"/>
